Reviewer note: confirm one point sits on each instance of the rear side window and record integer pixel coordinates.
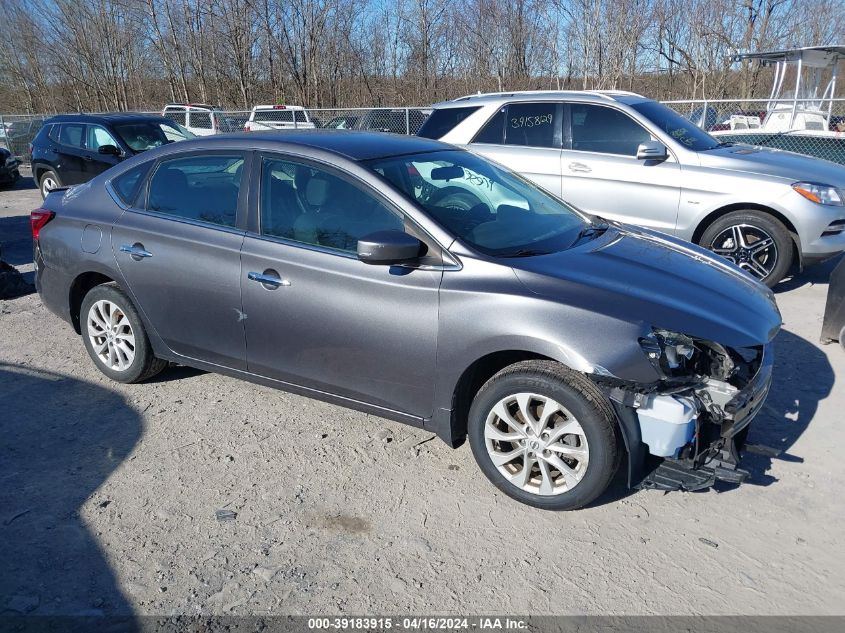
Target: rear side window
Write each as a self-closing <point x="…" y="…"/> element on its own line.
<point x="201" y="120"/>
<point x="53" y="134"/>
<point x="531" y="124"/>
<point x="441" y="122"/>
<point x="494" y="131"/>
<point x="72" y="134"/>
<point x="128" y="184"/>
<point x="203" y="188"/>
<point x="177" y="116"/>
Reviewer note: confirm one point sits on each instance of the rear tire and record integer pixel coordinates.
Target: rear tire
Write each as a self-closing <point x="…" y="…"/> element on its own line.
<point x="114" y="336"/>
<point x="48" y="181"/>
<point x="544" y="435"/>
<point x="755" y="241"/>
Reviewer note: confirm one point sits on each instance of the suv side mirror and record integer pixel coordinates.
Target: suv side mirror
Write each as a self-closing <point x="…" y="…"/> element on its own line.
<point x="109" y="150"/>
<point x="388" y="247"/>
<point x="652" y="150"/>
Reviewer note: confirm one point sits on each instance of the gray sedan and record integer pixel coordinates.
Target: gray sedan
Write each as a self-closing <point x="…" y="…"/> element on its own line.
<point x="419" y="282"/>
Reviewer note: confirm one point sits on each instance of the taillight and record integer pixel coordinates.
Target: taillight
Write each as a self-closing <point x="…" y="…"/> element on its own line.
<point x="246" y="128"/>
<point x="38" y="219"/>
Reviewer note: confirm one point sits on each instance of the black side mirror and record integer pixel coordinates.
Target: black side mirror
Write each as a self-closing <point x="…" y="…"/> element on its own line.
<point x="652" y="150"/>
<point x="388" y="247"/>
<point x="109" y="150"/>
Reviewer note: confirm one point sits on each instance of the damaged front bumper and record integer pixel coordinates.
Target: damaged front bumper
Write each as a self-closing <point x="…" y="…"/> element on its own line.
<point x="718" y="415"/>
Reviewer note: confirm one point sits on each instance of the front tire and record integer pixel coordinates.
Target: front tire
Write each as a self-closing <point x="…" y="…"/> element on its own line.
<point x="114" y="336"/>
<point x="753" y="240"/>
<point x="49" y="181"/>
<point x="544" y="435"/>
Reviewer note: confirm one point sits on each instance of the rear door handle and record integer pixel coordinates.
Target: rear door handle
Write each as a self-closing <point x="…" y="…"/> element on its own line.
<point x="268" y="278"/>
<point x="580" y="167"/>
<point x="136" y="251"/>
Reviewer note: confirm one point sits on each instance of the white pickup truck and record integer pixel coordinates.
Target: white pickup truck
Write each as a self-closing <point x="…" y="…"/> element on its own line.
<point x="277" y="117"/>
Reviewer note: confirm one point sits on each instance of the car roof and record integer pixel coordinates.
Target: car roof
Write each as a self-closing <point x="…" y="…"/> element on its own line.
<point x="278" y="106"/>
<point x="353" y="144"/>
<point x="202" y="106"/>
<point x="590" y="96"/>
<point x="107" y="117"/>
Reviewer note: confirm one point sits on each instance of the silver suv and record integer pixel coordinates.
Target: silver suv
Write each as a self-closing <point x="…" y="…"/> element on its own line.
<point x="628" y="158"/>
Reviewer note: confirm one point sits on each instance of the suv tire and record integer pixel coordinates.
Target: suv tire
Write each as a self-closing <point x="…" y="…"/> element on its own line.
<point x="48" y="181"/>
<point x="738" y="236"/>
<point x="114" y="336"/>
<point x="572" y="450"/>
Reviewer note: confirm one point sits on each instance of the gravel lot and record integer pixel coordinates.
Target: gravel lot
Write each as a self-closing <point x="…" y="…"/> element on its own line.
<point x="109" y="495"/>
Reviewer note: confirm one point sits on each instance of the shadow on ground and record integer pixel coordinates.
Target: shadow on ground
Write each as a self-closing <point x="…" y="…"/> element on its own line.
<point x="62" y="438"/>
<point x="818" y="274"/>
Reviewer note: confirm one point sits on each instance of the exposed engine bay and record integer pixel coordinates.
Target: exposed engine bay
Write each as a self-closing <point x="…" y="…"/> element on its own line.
<point x="688" y="429"/>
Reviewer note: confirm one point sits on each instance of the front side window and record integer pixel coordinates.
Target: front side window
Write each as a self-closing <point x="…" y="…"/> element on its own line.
<point x="492" y="209"/>
<point x="313" y="206"/>
<point x="203" y="188"/>
<point x="605" y="130"/>
<point x="144" y="135"/>
<point x="99" y="136"/>
<point x="678" y="127"/>
<point x="72" y="134"/>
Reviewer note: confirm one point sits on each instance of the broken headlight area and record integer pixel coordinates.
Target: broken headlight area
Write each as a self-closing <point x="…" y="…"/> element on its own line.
<point x="690" y="426"/>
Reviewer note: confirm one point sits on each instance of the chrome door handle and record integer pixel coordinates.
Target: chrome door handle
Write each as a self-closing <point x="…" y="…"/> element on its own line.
<point x="135" y="251"/>
<point x="580" y="167"/>
<point x="270" y="280"/>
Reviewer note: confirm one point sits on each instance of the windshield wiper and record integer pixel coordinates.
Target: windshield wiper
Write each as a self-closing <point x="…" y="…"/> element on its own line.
<point x="592" y="231"/>
<point x="525" y="252"/>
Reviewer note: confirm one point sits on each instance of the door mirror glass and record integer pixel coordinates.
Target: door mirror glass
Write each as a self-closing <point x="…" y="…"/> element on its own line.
<point x="388" y="247"/>
<point x="652" y="150"/>
<point x="109" y="150"/>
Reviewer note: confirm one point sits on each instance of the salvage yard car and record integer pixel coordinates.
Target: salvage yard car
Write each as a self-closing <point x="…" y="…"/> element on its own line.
<point x="338" y="265"/>
<point x="9" y="168"/>
<point x="628" y="158"/>
<point x="73" y="148"/>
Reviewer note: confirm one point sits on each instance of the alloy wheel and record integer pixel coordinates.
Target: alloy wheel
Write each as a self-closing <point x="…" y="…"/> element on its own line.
<point x="536" y="444"/>
<point x="749" y="247"/>
<point x="111" y="335"/>
<point x="47" y="185"/>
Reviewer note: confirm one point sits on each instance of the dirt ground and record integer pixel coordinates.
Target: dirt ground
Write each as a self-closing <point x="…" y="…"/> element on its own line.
<point x="109" y="497"/>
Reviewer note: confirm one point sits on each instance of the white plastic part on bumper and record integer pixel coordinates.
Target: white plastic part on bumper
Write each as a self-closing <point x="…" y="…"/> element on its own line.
<point x="667" y="423"/>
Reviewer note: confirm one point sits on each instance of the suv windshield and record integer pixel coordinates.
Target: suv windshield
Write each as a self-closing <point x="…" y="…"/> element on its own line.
<point x="144" y="135"/>
<point x="492" y="209"/>
<point x="678" y="127"/>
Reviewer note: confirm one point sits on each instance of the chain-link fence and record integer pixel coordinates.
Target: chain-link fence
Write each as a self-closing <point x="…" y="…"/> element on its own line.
<point x="793" y="125"/>
<point x="18" y="131"/>
<point x="811" y="127"/>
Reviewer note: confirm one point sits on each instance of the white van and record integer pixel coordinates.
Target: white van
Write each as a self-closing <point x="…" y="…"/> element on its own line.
<point x="278" y="117"/>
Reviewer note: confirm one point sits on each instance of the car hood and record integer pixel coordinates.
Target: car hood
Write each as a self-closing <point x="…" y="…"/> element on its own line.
<point x="774" y="162"/>
<point x="644" y="276"/>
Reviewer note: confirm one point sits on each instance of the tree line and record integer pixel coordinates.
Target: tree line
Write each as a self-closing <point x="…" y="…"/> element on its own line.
<point x="100" y="55"/>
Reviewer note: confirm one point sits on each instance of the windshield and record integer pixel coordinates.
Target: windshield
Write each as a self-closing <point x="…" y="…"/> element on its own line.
<point x="144" y="135"/>
<point x="676" y="126"/>
<point x="494" y="210"/>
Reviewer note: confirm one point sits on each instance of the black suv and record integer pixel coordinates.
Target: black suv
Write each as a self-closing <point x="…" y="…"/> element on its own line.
<point x="73" y="148"/>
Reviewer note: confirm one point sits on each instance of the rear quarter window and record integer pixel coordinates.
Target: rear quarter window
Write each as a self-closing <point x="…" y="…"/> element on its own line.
<point x="441" y="122"/>
<point x="128" y="184"/>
